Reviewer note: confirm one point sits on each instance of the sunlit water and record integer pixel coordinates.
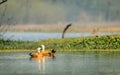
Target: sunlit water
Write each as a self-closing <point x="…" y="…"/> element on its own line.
<point x="78" y="63"/>
<point x="35" y="36"/>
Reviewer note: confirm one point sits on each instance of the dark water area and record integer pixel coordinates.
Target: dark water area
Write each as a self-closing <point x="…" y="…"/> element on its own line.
<point x="68" y="63"/>
<point x="35" y="36"/>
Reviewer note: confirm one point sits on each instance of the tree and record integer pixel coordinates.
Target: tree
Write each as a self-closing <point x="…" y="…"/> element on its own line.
<point x="3" y="1"/>
<point x="4" y="28"/>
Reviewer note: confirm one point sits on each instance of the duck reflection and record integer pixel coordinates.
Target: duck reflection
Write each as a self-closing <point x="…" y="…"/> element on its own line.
<point x="41" y="62"/>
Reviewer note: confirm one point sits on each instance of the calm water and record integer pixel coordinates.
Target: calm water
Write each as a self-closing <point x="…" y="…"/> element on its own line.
<point x="64" y="64"/>
<point x="35" y="36"/>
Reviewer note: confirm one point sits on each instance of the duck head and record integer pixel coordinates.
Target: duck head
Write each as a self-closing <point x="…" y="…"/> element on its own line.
<point x="53" y="51"/>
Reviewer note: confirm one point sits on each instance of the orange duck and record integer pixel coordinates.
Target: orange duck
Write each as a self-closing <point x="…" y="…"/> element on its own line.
<point x="40" y="54"/>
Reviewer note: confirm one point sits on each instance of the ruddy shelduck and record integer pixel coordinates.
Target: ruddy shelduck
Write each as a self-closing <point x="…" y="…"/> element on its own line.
<point x="40" y="54"/>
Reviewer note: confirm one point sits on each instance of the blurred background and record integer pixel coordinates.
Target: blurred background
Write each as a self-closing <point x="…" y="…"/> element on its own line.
<point x="54" y="15"/>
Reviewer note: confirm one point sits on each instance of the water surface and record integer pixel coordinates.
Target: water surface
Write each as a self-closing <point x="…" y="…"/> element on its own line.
<point x="35" y="36"/>
<point x="79" y="63"/>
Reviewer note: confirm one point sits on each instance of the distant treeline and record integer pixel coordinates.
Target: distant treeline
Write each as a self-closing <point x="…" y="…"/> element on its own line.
<point x="55" y="11"/>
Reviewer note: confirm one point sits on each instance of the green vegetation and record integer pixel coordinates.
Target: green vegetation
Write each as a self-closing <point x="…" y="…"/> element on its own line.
<point x="108" y="42"/>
